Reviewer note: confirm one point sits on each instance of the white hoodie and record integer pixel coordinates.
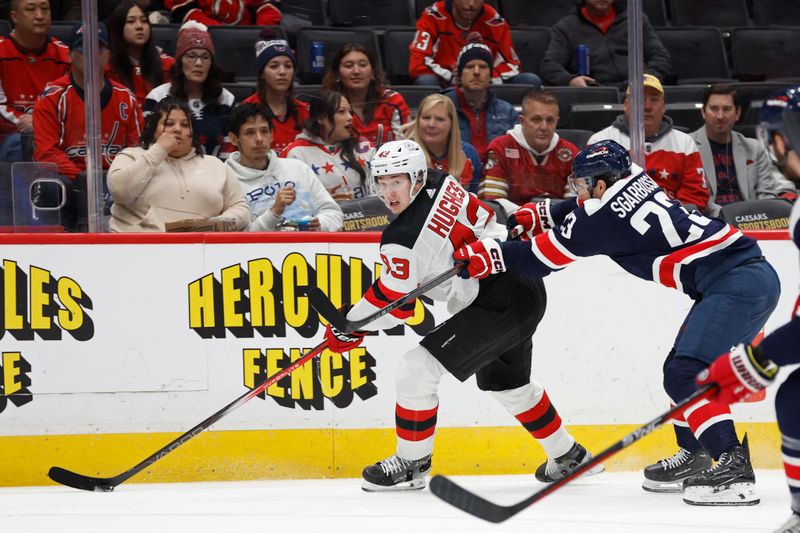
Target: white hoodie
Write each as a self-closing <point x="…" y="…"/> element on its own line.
<point x="260" y="186"/>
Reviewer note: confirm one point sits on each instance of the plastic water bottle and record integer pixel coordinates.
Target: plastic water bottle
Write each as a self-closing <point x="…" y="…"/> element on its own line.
<point x="317" y="57"/>
<point x="582" y="61"/>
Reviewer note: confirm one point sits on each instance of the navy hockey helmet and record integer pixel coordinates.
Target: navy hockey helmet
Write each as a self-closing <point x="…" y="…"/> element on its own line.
<point x="780" y="113"/>
<point x="607" y="160"/>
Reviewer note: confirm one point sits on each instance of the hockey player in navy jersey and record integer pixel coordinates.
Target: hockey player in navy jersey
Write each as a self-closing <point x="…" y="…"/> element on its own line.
<point x="747" y="369"/>
<point x="622" y="213"/>
<point x="489" y="334"/>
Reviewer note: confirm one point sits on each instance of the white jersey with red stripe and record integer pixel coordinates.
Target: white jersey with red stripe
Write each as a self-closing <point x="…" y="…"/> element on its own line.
<point x="637" y="226"/>
<point x="418" y="245"/>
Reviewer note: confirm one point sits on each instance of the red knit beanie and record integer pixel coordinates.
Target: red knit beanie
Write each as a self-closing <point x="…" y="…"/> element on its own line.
<point x="193" y="35"/>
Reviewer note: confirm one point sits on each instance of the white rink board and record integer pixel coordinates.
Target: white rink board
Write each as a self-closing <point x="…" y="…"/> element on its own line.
<point x="599" y="349"/>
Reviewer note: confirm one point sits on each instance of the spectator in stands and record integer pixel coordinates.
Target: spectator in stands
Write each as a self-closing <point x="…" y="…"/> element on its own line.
<point x="29" y="59"/>
<point x="531" y="160"/>
<point x="672" y="158"/>
<point x="227" y="13"/>
<point x="135" y="62"/>
<point x="601" y="25"/>
<point x="436" y="131"/>
<point x="168" y="178"/>
<point x="278" y="190"/>
<point x="197" y="78"/>
<point x="443" y="30"/>
<point x="331" y="147"/>
<point x="377" y="111"/>
<point x="481" y="115"/>
<point x="59" y="121"/>
<point x="276" y="66"/>
<point x="736" y="168"/>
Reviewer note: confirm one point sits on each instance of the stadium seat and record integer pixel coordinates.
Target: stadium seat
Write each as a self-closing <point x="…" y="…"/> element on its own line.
<point x="420" y="5"/>
<point x="414" y="94"/>
<point x="768" y="213"/>
<point x="576" y="137"/>
<point x="395" y="59"/>
<point x="333" y="39"/>
<point x="306" y="92"/>
<point x="720" y="13"/>
<point x="656" y="12"/>
<point x="765" y="53"/>
<point x="751" y="112"/>
<point x="61" y="30"/>
<point x="369" y="13"/>
<point x="545" y="13"/>
<point x="530" y="44"/>
<point x="5" y="28"/>
<point x="684" y="93"/>
<point x="756" y="91"/>
<point x="698" y="54"/>
<point x="165" y="36"/>
<point x="686" y="114"/>
<point x="241" y="89"/>
<point x="310" y="12"/>
<point x="748" y="130"/>
<point x="511" y="92"/>
<point x="593" y="117"/>
<point x="235" y="49"/>
<point x="776" y="12"/>
<point x="568" y="96"/>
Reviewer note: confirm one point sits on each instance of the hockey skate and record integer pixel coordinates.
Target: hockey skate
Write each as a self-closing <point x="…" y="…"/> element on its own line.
<point x="396" y="473"/>
<point x="731" y="481"/>
<point x="667" y="475"/>
<point x="791" y="526"/>
<point x="558" y="468"/>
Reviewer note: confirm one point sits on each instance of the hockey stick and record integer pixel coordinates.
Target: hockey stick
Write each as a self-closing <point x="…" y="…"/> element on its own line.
<point x="107" y="484"/>
<point x="475" y="505"/>
<point x="320" y="301"/>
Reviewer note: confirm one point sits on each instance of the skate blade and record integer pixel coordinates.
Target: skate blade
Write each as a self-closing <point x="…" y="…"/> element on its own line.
<point x="736" y="494"/>
<point x="593" y="471"/>
<point x="663" y="487"/>
<point x="416" y="484"/>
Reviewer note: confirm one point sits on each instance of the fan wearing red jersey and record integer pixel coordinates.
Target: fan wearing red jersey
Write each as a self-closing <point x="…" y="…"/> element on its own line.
<point x="489" y="334"/>
<point x="59" y="120"/>
<point x="229" y="12"/>
<point x="29" y="60"/>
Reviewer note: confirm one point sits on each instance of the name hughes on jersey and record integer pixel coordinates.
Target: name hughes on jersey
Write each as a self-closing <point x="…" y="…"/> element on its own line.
<point x="447" y="209"/>
<point x="634" y="194"/>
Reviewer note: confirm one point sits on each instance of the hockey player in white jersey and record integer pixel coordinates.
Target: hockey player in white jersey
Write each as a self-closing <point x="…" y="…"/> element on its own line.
<point x="489" y="334"/>
<point x="623" y="214"/>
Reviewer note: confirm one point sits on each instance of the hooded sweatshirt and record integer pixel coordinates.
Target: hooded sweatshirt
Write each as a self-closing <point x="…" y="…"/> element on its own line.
<point x="261" y="186"/>
<point x="671" y="159"/>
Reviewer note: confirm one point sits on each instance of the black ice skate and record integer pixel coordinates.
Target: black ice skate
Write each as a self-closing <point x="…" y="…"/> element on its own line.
<point x="558" y="468"/>
<point x="731" y="481"/>
<point x="791" y="526"/>
<point x="668" y="474"/>
<point x="396" y="473"/>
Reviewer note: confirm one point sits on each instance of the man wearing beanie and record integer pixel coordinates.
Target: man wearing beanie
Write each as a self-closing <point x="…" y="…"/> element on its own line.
<point x="275" y="68"/>
<point x="443" y="30"/>
<point x="481" y="115"/>
<point x="197" y="78"/>
<point x="230" y="12"/>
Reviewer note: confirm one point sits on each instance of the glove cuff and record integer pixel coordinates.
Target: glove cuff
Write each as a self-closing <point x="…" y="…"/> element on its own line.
<point x="749" y="373"/>
<point x="763" y="365"/>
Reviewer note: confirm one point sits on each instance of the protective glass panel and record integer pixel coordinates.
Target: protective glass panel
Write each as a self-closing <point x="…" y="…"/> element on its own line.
<point x="38" y="195"/>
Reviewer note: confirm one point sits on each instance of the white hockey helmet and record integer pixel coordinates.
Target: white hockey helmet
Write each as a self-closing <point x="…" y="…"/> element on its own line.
<point x="401" y="157"/>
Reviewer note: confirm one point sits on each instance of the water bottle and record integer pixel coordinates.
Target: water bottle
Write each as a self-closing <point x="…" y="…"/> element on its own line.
<point x="582" y="61"/>
<point x="317" y="57"/>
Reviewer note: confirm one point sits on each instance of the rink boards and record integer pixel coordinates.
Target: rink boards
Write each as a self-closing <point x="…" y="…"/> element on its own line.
<point x="110" y="346"/>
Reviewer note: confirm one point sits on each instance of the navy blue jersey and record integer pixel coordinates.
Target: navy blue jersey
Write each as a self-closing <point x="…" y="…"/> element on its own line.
<point x="783" y="345"/>
<point x="643" y="231"/>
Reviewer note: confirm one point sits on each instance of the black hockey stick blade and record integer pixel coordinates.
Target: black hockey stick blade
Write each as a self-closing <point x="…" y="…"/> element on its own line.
<point x="81" y="482"/>
<point x="475" y="505"/>
<point x="320" y="301"/>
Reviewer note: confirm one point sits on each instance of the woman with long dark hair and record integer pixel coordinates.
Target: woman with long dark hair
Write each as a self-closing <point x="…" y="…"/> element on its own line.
<point x="378" y="112"/>
<point x="196" y="78"/>
<point x="168" y="178"/>
<point x="276" y="67"/>
<point x="331" y="147"/>
<point x="135" y="61"/>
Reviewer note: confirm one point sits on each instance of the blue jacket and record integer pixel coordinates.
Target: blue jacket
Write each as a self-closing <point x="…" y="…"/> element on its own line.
<point x="500" y="117"/>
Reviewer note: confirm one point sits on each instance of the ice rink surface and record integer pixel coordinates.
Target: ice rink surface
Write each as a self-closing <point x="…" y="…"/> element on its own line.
<point x="610" y="502"/>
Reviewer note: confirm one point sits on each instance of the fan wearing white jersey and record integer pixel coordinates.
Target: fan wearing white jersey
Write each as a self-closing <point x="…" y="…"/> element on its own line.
<point x="489" y="334"/>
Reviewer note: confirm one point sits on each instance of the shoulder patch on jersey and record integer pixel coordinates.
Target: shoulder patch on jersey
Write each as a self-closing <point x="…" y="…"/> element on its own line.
<point x="431" y="192"/>
<point x="433" y="11"/>
<point x="491" y="160"/>
<point x="512" y="153"/>
<point x="497" y="20"/>
<point x="50" y="89"/>
<point x="564" y="154"/>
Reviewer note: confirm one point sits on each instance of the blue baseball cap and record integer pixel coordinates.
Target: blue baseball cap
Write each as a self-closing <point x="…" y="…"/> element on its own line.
<point x="76" y="36"/>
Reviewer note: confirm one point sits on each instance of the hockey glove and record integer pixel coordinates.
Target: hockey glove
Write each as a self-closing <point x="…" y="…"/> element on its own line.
<point x="482" y="258"/>
<point x="533" y="219"/>
<point x="739" y="373"/>
<point x="339" y="341"/>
